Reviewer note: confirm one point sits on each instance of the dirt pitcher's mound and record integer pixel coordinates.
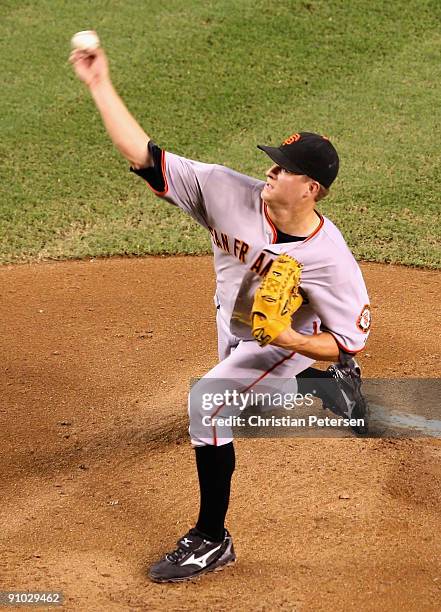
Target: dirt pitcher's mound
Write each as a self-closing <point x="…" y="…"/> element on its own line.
<point x="97" y="476"/>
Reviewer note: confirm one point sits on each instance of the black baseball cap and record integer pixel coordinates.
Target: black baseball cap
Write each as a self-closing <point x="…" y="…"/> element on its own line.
<point x="307" y="153"/>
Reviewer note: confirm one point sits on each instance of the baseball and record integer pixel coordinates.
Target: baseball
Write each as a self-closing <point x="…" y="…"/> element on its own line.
<point x="85" y="41"/>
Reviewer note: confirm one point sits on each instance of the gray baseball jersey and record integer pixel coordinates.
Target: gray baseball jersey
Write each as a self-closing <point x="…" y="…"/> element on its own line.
<point x="229" y="205"/>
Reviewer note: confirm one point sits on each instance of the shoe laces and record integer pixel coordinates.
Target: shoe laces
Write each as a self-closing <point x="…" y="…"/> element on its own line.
<point x="184" y="545"/>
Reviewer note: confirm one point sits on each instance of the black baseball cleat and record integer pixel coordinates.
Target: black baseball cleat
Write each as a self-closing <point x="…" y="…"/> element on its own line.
<point x="193" y="557"/>
<point x="351" y="403"/>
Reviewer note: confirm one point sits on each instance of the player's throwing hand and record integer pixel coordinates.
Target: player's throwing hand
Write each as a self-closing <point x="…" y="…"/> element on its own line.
<point x="91" y="67"/>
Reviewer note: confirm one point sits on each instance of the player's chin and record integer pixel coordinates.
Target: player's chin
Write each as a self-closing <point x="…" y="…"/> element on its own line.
<point x="266" y="194"/>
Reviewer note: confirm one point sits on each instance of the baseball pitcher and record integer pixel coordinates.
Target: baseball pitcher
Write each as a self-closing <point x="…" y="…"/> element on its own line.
<point x="288" y="293"/>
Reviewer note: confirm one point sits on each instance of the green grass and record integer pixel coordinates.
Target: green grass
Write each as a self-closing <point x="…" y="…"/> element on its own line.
<point x="210" y="80"/>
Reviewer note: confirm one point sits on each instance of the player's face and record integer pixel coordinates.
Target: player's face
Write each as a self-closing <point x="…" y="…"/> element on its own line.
<point x="286" y="188"/>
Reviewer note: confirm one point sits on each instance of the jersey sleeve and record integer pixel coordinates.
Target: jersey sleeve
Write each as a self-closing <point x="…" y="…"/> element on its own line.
<point x="344" y="311"/>
<point x="178" y="180"/>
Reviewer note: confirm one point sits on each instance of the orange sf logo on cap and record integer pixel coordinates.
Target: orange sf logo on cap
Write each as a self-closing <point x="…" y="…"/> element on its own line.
<point x="291" y="139"/>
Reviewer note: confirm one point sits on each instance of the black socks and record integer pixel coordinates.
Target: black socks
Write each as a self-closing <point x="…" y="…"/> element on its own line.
<point x="215" y="466"/>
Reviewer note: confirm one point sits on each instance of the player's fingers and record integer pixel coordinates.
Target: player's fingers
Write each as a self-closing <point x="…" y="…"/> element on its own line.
<point x="75" y="56"/>
<point x="80" y="54"/>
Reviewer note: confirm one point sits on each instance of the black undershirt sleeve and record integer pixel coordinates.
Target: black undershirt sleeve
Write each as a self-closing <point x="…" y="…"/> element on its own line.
<point x="153" y="174"/>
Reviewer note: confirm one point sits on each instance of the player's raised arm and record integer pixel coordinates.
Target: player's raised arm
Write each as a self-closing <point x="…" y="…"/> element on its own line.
<point x="91" y="67"/>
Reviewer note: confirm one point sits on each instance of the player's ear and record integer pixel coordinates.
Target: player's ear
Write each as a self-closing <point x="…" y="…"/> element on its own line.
<point x="314" y="188"/>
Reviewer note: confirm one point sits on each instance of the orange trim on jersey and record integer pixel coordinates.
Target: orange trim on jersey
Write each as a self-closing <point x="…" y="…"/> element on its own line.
<point x="345" y="348"/>
<point x="274" y="229"/>
<point x="317" y="229"/>
<point x="271" y="224"/>
<point x="249" y="387"/>
<point x="164" y="176"/>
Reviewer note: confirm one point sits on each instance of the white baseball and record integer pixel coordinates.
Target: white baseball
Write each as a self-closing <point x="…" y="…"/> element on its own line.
<point x="85" y="41"/>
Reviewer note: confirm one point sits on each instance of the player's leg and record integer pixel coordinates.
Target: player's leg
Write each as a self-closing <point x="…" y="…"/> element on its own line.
<point x="247" y="367"/>
<point x="209" y="546"/>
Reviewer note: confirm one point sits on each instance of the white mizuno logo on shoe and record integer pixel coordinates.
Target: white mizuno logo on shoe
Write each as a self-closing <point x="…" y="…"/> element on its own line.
<point x="202" y="560"/>
<point x="350" y="405"/>
<point x="187" y="541"/>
